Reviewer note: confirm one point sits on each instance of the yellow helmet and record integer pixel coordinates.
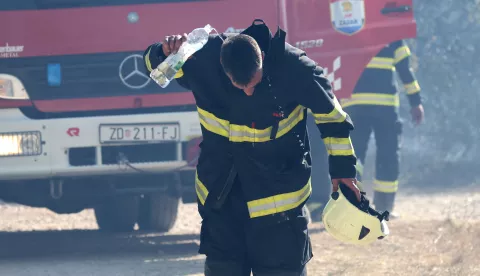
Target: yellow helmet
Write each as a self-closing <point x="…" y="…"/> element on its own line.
<point x="351" y="221"/>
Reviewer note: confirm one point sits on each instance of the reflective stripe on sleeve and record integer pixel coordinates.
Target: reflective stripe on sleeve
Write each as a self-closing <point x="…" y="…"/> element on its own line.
<point x="147" y="60"/>
<point x="385" y="186"/>
<point x="201" y="190"/>
<point x="381" y="63"/>
<point x="336" y="116"/>
<point x="243" y="133"/>
<point x="148" y="64"/>
<point x="213" y="123"/>
<point x="338" y="146"/>
<point x="279" y="203"/>
<point x="401" y="53"/>
<point x="371" y="99"/>
<point x="412" y="88"/>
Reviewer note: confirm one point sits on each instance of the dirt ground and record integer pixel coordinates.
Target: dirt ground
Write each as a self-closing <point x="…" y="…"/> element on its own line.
<point x="437" y="235"/>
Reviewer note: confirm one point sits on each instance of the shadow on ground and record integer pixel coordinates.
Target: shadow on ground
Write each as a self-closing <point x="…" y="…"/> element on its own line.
<point x="78" y="243"/>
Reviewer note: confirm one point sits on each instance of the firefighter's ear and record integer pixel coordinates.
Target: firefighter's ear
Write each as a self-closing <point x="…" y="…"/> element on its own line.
<point x="263" y="55"/>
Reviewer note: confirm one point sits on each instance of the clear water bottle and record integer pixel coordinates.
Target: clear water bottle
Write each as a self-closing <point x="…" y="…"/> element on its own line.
<point x="165" y="71"/>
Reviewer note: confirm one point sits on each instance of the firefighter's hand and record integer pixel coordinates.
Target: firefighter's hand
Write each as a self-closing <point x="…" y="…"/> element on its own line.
<point x="418" y="114"/>
<point x="350" y="183"/>
<point x="172" y="43"/>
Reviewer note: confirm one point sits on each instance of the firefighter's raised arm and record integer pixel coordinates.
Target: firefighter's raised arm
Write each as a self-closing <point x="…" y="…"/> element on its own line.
<point x="157" y="52"/>
<point x="334" y="124"/>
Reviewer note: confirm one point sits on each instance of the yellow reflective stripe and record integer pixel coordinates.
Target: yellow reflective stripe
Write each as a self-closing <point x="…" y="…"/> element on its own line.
<point x="201" y="190"/>
<point x="279" y="203"/>
<point x="359" y="167"/>
<point x="371" y="99"/>
<point x="147" y="60"/>
<point x="385" y="186"/>
<point x="336" y="116"/>
<point x="290" y="122"/>
<point x="412" y="88"/>
<point x="338" y="146"/>
<point x="243" y="133"/>
<point x="381" y="63"/>
<point x="401" y="53"/>
<point x="213" y="123"/>
<point x="179" y="74"/>
<point x="148" y="64"/>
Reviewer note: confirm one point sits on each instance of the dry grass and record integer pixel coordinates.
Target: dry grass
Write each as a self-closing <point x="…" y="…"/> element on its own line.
<point x="437" y="235"/>
<point x="414" y="248"/>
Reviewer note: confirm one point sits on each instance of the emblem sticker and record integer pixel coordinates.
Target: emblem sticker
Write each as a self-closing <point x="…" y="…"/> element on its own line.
<point x="348" y="16"/>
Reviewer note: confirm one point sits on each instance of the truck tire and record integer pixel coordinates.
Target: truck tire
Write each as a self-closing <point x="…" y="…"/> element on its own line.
<point x="158" y="212"/>
<point x="118" y="214"/>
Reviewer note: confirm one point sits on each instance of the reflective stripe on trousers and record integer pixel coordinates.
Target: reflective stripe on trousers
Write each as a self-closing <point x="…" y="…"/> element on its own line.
<point x="385" y="186"/>
<point x="279" y="203"/>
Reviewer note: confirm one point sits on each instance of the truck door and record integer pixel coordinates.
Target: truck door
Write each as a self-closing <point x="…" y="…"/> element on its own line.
<point x="343" y="35"/>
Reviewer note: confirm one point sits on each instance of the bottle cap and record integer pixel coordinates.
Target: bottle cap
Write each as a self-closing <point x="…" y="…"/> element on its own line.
<point x="208" y="28"/>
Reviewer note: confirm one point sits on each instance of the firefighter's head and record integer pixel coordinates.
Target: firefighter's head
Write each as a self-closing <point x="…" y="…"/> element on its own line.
<point x="351" y="221"/>
<point x="242" y="61"/>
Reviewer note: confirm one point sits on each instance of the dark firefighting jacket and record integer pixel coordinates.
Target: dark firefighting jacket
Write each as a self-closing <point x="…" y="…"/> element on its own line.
<point x="376" y="85"/>
<point x="263" y="136"/>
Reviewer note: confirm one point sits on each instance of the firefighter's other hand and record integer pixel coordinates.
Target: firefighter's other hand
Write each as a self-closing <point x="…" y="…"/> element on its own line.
<point x="350" y="183"/>
<point x="172" y="43"/>
<point x="418" y="114"/>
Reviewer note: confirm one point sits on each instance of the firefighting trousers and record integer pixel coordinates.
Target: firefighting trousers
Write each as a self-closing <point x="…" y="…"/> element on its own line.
<point x="321" y="183"/>
<point x="386" y="126"/>
<point x="235" y="246"/>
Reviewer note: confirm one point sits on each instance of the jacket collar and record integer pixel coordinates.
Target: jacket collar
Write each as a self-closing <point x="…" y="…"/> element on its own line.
<point x="267" y="42"/>
<point x="272" y="45"/>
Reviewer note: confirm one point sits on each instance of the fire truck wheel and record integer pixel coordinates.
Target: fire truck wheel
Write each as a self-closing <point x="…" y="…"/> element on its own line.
<point x="158" y="212"/>
<point x="117" y="214"/>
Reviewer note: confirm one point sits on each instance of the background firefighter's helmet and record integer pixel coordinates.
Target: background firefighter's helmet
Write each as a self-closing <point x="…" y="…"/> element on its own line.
<point x="351" y="221"/>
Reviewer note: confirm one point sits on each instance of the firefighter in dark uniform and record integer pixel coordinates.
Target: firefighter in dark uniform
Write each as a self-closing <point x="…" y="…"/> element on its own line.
<point x="373" y="107"/>
<point x="253" y="176"/>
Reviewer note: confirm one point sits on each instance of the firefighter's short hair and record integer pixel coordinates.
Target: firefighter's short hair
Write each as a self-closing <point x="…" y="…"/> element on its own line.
<point x="241" y="58"/>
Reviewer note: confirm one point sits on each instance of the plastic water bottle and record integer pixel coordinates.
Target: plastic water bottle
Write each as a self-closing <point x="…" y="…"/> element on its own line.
<point x="165" y="71"/>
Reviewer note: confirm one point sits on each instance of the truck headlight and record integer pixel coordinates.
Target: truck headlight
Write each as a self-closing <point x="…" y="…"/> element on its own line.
<point x="6" y="88"/>
<point x="27" y="143"/>
<point x="12" y="87"/>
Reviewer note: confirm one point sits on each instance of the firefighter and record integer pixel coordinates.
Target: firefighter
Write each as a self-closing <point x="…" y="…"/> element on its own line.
<point x="373" y="107"/>
<point x="252" y="91"/>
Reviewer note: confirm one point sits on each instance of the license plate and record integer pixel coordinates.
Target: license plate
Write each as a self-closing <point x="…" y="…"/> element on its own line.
<point x="139" y="133"/>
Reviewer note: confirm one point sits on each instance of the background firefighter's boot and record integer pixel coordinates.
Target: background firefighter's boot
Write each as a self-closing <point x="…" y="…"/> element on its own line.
<point x="385" y="202"/>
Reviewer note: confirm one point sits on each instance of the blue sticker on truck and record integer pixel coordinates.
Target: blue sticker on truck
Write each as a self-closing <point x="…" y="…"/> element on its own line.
<point x="54" y="74"/>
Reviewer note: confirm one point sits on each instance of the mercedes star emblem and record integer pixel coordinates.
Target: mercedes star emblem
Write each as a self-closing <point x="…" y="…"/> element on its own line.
<point x="130" y="72"/>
